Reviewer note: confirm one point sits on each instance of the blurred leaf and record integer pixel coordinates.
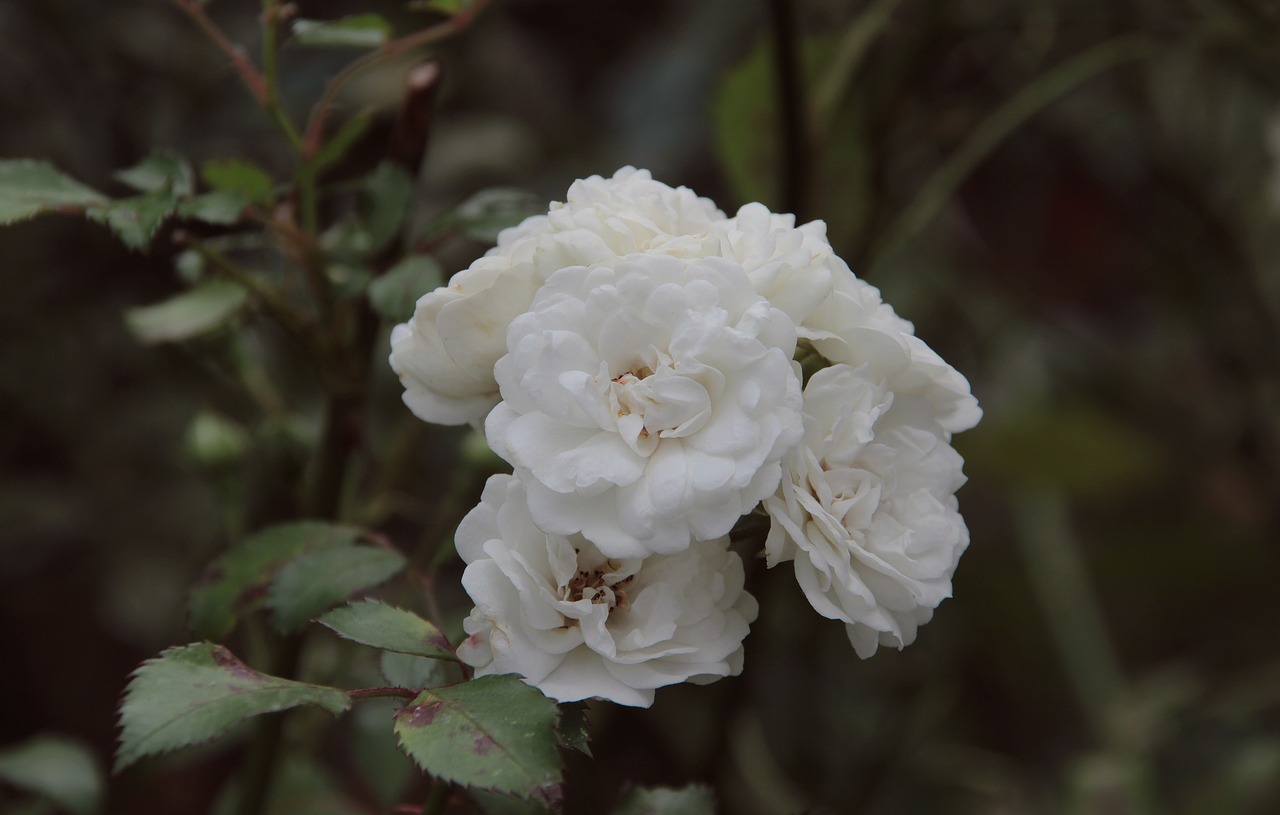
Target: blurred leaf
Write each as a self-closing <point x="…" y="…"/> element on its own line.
<point x="494" y="733"/>
<point x="486" y="213"/>
<point x="356" y="31"/>
<point x="187" y="315"/>
<point x="495" y="803"/>
<point x="237" y="581"/>
<point x="575" y="727"/>
<point x="1077" y="448"/>
<point x="691" y="800"/>
<point x="28" y="188"/>
<point x="413" y="673"/>
<point x="384" y="200"/>
<point x="59" y="769"/>
<point x="745" y="118"/>
<point x="387" y="771"/>
<point x="135" y="220"/>
<point x="443" y="6"/>
<point x="315" y="581"/>
<point x="219" y="207"/>
<point x="746" y="128"/>
<point x="335" y="149"/>
<point x="162" y="171"/>
<point x="193" y="693"/>
<point x="394" y="294"/>
<point x="241" y="177"/>
<point x="301" y="787"/>
<point x="214" y="440"/>
<point x="381" y="205"/>
<point x="378" y="625"/>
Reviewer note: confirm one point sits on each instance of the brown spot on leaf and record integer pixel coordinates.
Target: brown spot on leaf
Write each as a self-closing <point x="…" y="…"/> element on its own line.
<point x="228" y="660"/>
<point x="439" y="641"/>
<point x="421" y="715"/>
<point x="483" y="745"/>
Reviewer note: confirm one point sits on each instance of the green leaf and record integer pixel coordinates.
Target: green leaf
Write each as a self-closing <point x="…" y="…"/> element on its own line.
<point x="357" y="31"/>
<point x="744" y="115"/>
<point x="384" y="201"/>
<point x="1075" y="447"/>
<point x="449" y="7"/>
<point x="410" y="672"/>
<point x="213" y="440"/>
<point x="241" y="177"/>
<point x="236" y="582"/>
<point x="395" y="294"/>
<point x="193" y="693"/>
<point x="378" y="625"/>
<point x="381" y="205"/>
<point x="691" y="800"/>
<point x="335" y="149"/>
<point x="300" y="787"/>
<point x="220" y="207"/>
<point x="575" y="727"/>
<point x="187" y="315"/>
<point x="486" y="213"/>
<point x="493" y="733"/>
<point x="28" y="188"/>
<point x="162" y="171"/>
<point x="314" y="582"/>
<point x="135" y="220"/>
<point x="494" y="803"/>
<point x="59" y="769"/>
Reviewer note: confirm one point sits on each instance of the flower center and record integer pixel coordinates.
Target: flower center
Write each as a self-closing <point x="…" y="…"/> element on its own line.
<point x="595" y="587"/>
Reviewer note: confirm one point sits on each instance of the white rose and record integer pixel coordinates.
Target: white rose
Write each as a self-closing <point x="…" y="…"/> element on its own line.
<point x="648" y="404"/>
<point x="867" y="510"/>
<point x="854" y="326"/>
<point x="445" y="354"/>
<point x="791" y="267"/>
<point x="578" y="625"/>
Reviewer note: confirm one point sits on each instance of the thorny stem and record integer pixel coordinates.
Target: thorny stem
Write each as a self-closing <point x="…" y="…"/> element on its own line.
<point x="292" y="321"/>
<point x="436" y="798"/>
<point x="271" y="84"/>
<point x="314" y="133"/>
<point x="791" y="109"/>
<point x="381" y="693"/>
<point x="250" y="75"/>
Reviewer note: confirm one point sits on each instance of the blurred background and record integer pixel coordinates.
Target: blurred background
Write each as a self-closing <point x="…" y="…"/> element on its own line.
<point x="1078" y="205"/>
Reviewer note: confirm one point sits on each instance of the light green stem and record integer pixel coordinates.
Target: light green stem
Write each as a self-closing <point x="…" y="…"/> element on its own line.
<point x="1061" y="583"/>
<point x="1015" y="112"/>
<point x="853" y="47"/>
<point x="271" y="74"/>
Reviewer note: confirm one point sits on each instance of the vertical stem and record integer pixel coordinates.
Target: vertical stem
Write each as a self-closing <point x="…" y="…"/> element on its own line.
<point x="791" y="108"/>
<point x="270" y="73"/>
<point x="436" y="798"/>
<point x="1061" y="583"/>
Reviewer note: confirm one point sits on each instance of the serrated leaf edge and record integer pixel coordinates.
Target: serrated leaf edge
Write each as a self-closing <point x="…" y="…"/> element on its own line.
<point x="122" y="763"/>
<point x="550" y="794"/>
<point x="449" y="657"/>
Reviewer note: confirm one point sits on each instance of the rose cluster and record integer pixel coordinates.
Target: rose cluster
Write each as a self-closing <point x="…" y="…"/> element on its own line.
<point x="635" y="355"/>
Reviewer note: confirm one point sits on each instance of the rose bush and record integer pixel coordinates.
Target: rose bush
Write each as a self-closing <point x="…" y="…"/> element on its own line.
<point x="577" y="624"/>
<point x="638" y="358"/>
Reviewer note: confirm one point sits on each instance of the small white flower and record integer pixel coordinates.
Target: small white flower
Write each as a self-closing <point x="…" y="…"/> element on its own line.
<point x="578" y="625"/>
<point x="648" y="404"/>
<point x="855" y="327"/>
<point x="867" y="509"/>
<point x="791" y="267"/>
<point x="445" y="354"/>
